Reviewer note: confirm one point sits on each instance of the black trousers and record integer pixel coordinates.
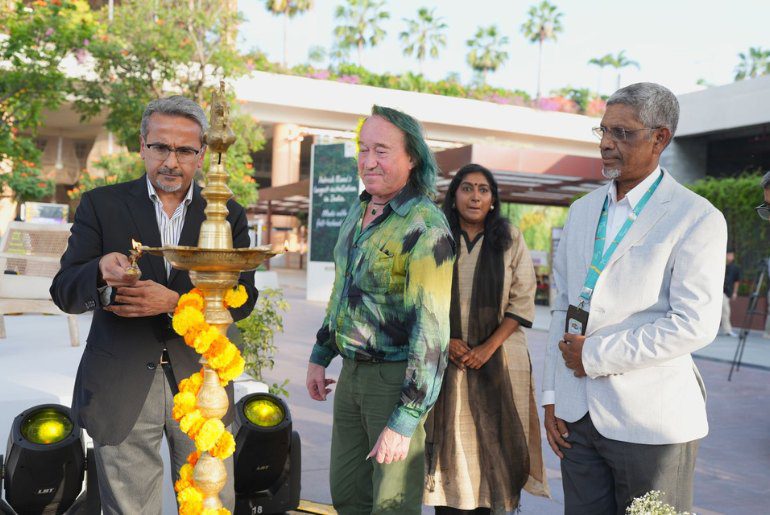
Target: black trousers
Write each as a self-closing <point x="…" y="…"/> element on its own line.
<point x="603" y="476"/>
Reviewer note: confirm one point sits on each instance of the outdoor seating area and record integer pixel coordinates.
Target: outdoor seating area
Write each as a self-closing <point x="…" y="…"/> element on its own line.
<point x="29" y="258"/>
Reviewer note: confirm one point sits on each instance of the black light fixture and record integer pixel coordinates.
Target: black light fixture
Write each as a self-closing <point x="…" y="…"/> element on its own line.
<point x="45" y="464"/>
<point x="267" y="457"/>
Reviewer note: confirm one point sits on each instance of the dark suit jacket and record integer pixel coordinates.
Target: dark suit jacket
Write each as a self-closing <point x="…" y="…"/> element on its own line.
<point x="118" y="363"/>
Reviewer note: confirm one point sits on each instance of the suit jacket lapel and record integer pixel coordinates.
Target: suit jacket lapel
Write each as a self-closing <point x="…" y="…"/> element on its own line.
<point x="194" y="217"/>
<point x="594" y="211"/>
<point x="652" y="212"/>
<point x="142" y="212"/>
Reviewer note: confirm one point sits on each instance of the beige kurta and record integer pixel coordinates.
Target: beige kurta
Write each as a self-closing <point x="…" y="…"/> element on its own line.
<point x="460" y="484"/>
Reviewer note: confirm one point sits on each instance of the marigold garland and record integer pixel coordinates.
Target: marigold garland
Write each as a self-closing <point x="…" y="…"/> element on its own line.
<point x="225" y="359"/>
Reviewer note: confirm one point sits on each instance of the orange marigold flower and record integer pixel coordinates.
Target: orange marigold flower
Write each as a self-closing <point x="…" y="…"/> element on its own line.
<point x="221" y="359"/>
<point x="184" y="403"/>
<point x="191" y="384"/>
<point x="217" y="346"/>
<point x="185" y="478"/>
<point x="208" y="434"/>
<point x="190" y="495"/>
<point x="204" y="339"/>
<point x="193" y="457"/>
<point x="181" y="484"/>
<point x="236" y="297"/>
<point x="186" y="319"/>
<point x="192" y="423"/>
<point x="225" y="446"/>
<point x="191" y="508"/>
<point x="191" y="298"/>
<point x="232" y="370"/>
<point x="192" y="334"/>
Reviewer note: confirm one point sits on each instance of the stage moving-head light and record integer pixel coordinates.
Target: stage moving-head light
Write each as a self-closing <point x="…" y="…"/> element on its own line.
<point x="267" y="456"/>
<point x="45" y="461"/>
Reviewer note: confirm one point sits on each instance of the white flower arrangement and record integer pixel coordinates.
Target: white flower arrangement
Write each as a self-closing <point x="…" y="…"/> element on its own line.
<point x="651" y="504"/>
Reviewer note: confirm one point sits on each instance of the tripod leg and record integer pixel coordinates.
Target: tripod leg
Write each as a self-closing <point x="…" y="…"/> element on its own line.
<point x="748" y="320"/>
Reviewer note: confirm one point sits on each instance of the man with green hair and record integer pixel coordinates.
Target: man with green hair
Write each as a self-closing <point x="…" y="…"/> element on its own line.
<point x="388" y="317"/>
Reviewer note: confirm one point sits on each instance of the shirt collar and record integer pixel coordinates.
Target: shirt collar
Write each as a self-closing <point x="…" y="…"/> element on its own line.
<point x="154" y="194"/>
<point x="402" y="202"/>
<point x="637" y="192"/>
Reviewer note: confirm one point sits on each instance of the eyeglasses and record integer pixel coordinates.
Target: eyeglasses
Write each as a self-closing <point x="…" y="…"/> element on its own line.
<point x="763" y="210"/>
<point x="184" y="155"/>
<point x="618" y="133"/>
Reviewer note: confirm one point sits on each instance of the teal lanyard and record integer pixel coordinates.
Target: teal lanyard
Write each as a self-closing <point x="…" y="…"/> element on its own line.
<point x="601" y="258"/>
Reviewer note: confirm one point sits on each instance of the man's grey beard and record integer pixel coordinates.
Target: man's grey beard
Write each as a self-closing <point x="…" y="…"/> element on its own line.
<point x="611" y="174"/>
<point x="168" y="188"/>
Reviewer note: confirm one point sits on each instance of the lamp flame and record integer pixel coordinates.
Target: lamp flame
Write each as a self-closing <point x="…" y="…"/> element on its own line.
<point x="135" y="244"/>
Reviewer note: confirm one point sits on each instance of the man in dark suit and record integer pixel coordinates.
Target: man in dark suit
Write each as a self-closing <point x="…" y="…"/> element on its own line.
<point x="123" y="391"/>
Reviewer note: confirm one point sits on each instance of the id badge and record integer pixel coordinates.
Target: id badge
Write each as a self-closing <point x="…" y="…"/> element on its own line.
<point x="577" y="320"/>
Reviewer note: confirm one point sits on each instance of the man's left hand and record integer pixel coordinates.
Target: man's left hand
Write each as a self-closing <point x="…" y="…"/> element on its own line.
<point x="144" y="299"/>
<point x="571" y="348"/>
<point x="390" y="447"/>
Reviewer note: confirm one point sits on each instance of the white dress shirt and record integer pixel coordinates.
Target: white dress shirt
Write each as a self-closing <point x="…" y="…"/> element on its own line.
<point x="170" y="227"/>
<point x="618" y="212"/>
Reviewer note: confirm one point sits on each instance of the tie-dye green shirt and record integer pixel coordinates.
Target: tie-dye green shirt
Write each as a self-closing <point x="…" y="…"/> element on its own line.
<point x="391" y="296"/>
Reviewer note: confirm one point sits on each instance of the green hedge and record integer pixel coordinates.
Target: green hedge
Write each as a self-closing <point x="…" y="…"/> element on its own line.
<point x="747" y="234"/>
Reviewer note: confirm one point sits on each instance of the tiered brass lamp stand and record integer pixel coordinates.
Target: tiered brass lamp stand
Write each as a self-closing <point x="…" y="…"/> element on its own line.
<point x="214" y="267"/>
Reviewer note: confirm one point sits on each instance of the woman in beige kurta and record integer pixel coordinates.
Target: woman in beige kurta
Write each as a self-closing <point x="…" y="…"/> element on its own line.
<point x="483" y="435"/>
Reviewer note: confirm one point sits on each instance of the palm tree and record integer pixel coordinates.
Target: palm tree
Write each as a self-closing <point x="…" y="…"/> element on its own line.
<point x="601" y="62"/>
<point x="287" y="9"/>
<point x="543" y="24"/>
<point x="619" y="62"/>
<point x="360" y="27"/>
<point x="754" y="63"/>
<point x="486" y="51"/>
<point x="423" y="35"/>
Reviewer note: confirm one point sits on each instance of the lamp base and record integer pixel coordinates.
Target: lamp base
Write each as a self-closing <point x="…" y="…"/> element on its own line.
<point x="281" y="497"/>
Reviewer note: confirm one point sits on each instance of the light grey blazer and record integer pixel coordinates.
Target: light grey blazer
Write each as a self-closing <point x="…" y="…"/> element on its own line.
<point x="658" y="300"/>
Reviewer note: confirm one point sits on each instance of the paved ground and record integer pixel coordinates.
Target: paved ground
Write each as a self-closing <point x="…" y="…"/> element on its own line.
<point x="733" y="472"/>
<point x="733" y="468"/>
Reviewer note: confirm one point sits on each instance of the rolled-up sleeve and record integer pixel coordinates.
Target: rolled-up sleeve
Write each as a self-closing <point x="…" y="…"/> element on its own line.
<point x="427" y="296"/>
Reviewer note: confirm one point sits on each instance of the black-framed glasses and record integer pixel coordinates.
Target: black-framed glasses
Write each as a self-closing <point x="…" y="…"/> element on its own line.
<point x="618" y="133"/>
<point x="763" y="210"/>
<point x="184" y="155"/>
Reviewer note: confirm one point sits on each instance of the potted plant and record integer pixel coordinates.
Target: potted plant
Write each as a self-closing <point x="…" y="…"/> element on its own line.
<point x="258" y="333"/>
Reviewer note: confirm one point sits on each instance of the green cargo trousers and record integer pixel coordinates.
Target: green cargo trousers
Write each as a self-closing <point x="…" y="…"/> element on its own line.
<point x="365" y="397"/>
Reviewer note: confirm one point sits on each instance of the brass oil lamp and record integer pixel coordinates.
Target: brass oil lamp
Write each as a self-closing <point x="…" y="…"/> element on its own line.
<point x="214" y="267"/>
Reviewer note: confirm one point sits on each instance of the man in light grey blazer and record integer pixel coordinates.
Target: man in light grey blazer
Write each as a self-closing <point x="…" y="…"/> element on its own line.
<point x="624" y="403"/>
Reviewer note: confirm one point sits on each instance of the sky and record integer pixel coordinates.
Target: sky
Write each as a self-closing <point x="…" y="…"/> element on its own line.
<point x="675" y="42"/>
